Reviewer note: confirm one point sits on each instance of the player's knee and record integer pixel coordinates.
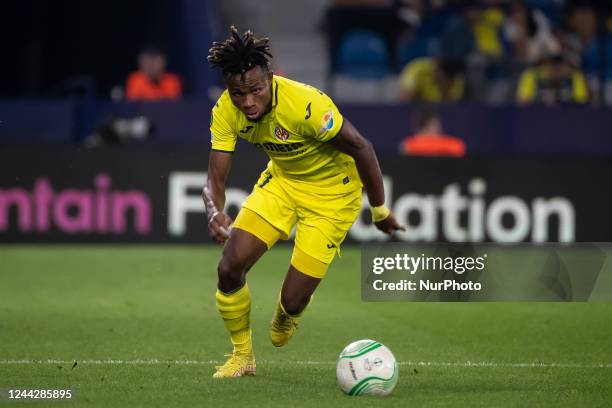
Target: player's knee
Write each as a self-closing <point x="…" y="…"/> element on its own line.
<point x="231" y="273"/>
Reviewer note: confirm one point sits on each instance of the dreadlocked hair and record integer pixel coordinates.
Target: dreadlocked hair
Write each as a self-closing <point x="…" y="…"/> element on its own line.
<point x="239" y="53"/>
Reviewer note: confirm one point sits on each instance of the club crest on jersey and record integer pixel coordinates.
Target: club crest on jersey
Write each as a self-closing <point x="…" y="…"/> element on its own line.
<point x="327" y="122"/>
<point x="281" y="134"/>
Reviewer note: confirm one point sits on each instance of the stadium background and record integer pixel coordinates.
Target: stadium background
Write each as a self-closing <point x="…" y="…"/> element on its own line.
<point x="539" y="173"/>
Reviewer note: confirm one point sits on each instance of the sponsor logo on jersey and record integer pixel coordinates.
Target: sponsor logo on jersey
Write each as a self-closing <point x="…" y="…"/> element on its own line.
<point x="281" y="134"/>
<point x="327" y="122"/>
<point x="278" y="147"/>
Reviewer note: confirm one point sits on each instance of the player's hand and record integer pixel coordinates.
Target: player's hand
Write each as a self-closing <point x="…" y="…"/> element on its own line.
<point x="219" y="223"/>
<point x="389" y="225"/>
<point x="219" y="226"/>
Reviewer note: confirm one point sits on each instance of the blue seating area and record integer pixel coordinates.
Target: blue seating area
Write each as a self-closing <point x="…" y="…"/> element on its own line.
<point x="364" y="51"/>
<point x="416" y="47"/>
<point x="363" y="54"/>
<point x="591" y="58"/>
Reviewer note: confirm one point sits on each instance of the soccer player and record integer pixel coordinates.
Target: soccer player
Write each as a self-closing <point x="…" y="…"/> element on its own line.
<point x="313" y="181"/>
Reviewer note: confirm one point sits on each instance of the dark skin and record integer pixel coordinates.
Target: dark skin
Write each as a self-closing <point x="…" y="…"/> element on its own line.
<point x="252" y="94"/>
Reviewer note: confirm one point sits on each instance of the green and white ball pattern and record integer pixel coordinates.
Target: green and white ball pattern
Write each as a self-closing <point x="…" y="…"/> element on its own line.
<point x="367" y="367"/>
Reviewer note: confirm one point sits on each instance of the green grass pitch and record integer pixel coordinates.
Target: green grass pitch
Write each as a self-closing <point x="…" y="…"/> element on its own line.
<point x="141" y="325"/>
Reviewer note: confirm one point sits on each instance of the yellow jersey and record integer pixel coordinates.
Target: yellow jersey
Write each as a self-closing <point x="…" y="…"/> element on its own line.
<point x="419" y="76"/>
<point x="535" y="86"/>
<point x="295" y="135"/>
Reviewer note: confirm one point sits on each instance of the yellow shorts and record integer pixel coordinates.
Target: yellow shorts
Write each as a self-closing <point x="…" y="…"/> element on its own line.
<point x="322" y="221"/>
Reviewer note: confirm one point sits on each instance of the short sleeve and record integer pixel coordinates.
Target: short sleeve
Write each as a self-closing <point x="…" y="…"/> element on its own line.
<point x="222" y="137"/>
<point x="323" y="119"/>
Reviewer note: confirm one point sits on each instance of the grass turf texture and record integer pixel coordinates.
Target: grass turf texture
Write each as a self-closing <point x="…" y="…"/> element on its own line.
<point x="86" y="303"/>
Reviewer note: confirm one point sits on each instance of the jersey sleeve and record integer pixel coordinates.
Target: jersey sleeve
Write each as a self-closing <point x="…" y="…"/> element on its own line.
<point x="222" y="136"/>
<point x="323" y="119"/>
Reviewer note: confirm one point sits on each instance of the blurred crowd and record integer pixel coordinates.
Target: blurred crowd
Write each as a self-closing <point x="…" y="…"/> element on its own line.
<point x="551" y="52"/>
<point x="151" y="82"/>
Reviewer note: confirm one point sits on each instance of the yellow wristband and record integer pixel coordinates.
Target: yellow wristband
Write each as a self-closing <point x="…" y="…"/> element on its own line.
<point x="379" y="213"/>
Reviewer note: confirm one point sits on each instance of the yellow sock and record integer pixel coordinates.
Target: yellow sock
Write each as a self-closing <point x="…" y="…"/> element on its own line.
<point x="235" y="309"/>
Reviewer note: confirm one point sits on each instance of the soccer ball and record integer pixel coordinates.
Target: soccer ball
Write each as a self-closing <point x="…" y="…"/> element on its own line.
<point x="367" y="367"/>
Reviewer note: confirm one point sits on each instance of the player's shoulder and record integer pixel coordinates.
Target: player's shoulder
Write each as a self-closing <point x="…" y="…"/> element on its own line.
<point x="294" y="99"/>
<point x="290" y="90"/>
<point x="225" y="108"/>
<point x="304" y="109"/>
<point x="224" y="114"/>
<point x="224" y="103"/>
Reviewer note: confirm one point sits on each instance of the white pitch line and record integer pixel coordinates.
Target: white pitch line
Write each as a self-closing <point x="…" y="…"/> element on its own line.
<point x="477" y="364"/>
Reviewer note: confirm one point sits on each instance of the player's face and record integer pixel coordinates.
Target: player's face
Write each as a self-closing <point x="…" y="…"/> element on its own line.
<point x="252" y="92"/>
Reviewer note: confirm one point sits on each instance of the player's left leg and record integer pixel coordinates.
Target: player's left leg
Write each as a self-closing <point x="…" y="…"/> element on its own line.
<point x="266" y="216"/>
<point x="302" y="279"/>
<point x="323" y="223"/>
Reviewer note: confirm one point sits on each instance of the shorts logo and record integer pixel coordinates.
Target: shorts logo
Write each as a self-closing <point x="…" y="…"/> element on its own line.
<point x="327" y="122"/>
<point x="281" y="134"/>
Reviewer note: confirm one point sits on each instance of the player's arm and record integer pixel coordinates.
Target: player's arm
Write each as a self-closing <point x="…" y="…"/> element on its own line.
<point x="350" y="141"/>
<point x="222" y="144"/>
<point x="219" y="164"/>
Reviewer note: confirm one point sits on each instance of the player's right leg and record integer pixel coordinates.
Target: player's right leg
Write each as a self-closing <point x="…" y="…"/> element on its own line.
<point x="321" y="228"/>
<point x="250" y="238"/>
